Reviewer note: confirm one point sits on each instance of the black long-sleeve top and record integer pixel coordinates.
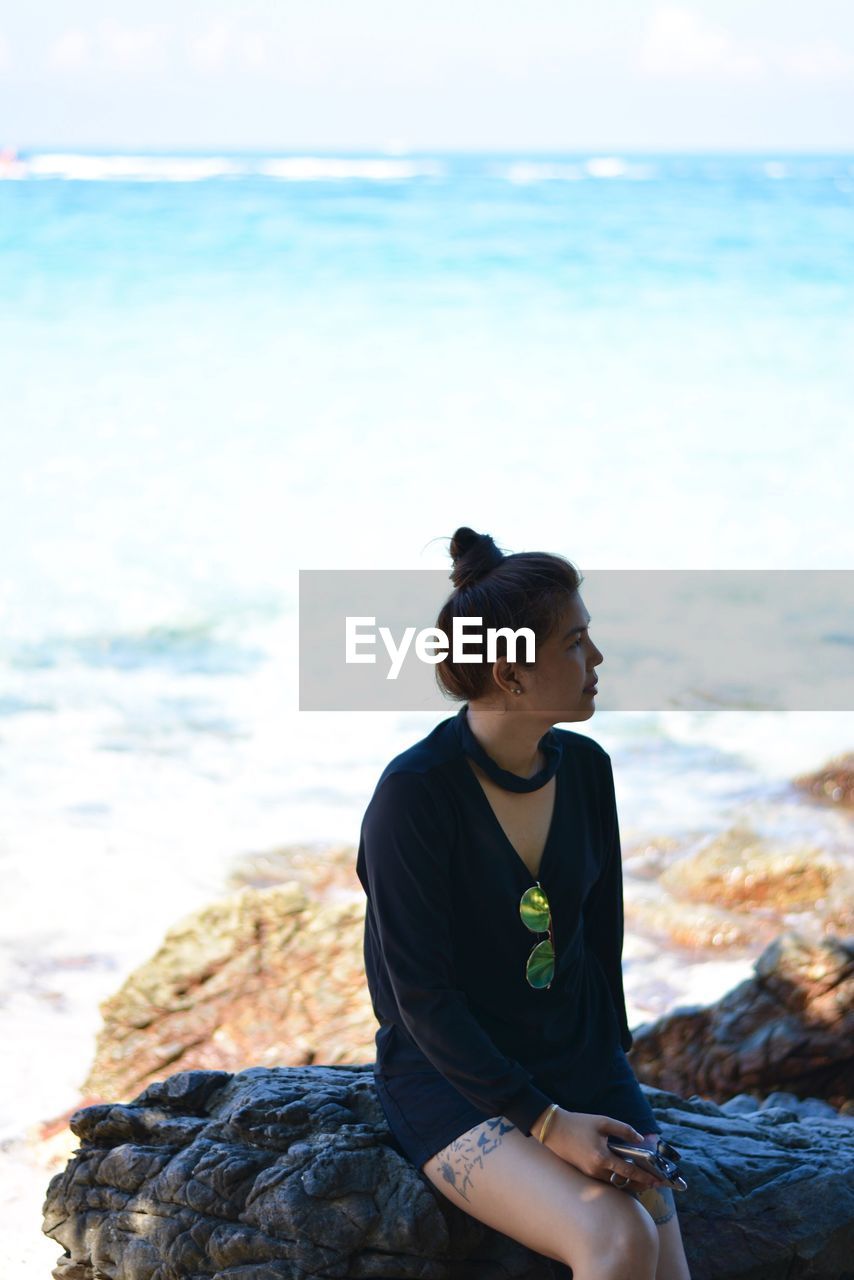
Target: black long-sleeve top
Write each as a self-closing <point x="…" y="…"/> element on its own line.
<point x="444" y="946"/>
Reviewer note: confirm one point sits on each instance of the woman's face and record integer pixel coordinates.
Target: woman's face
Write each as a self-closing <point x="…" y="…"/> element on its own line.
<point x="558" y="684"/>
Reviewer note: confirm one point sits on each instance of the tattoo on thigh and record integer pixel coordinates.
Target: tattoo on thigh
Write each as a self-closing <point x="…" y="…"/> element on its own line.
<point x="658" y="1202"/>
<point x="459" y="1158"/>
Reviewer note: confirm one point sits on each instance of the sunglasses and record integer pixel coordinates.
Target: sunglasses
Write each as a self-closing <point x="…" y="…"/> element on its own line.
<point x="536" y="916"/>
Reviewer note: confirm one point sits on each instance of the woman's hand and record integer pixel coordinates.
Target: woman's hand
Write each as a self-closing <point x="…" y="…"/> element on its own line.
<point x="582" y="1140"/>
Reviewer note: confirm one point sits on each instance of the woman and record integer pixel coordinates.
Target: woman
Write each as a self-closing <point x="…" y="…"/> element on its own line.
<point x="490" y="857"/>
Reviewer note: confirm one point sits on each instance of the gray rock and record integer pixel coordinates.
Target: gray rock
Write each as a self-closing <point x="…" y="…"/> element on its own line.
<point x="780" y="1099"/>
<point x="743" y="1103"/>
<point x="817" y="1107"/>
<point x="290" y="1173"/>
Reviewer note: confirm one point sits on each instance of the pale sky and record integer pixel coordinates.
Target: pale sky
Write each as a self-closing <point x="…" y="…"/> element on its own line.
<point x="450" y="74"/>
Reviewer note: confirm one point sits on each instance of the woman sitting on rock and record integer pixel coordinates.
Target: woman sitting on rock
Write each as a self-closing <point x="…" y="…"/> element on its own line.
<point x="490" y="857"/>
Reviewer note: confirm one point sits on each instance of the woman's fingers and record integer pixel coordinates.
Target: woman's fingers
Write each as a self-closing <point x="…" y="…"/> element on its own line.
<point x="618" y="1129"/>
<point x="617" y="1164"/>
<point x="626" y="1169"/>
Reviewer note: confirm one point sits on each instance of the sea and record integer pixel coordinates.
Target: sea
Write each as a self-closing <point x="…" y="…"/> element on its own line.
<point x="217" y="370"/>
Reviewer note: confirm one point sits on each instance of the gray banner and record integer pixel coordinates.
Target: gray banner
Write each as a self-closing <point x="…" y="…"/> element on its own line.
<point x="741" y="639"/>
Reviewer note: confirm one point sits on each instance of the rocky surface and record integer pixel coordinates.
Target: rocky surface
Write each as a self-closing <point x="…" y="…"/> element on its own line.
<point x="833" y="784"/>
<point x="736" y="889"/>
<point x="791" y="1027"/>
<point x="291" y="1173"/>
<point x="272" y="975"/>
<point x="741" y="871"/>
<point x="266" y="976"/>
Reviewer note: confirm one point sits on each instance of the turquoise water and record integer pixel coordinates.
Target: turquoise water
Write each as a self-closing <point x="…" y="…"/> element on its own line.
<point x="199" y="373"/>
<point x="218" y="370"/>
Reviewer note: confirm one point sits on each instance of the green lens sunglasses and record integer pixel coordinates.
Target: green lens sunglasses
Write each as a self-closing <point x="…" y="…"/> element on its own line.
<point x="536" y="916"/>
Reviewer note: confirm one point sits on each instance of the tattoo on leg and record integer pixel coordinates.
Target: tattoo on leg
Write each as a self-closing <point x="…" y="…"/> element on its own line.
<point x="658" y="1202"/>
<point x="459" y="1158"/>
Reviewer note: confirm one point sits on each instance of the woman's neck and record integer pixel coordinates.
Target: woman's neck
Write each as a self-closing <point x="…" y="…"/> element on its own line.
<point x="510" y="738"/>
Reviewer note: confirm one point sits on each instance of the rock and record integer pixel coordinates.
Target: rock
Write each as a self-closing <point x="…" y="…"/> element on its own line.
<point x="262" y="977"/>
<point x="291" y="1174"/>
<point x="325" y="871"/>
<point x="736" y="891"/>
<point x="743" y="1103"/>
<point x="273" y="974"/>
<point x="791" y="1028"/>
<point x="834" y="784"/>
<point x="743" y="871"/>
<point x="694" y="926"/>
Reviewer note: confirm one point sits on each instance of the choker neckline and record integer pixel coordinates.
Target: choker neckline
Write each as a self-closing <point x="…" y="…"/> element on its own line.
<point x="549" y="744"/>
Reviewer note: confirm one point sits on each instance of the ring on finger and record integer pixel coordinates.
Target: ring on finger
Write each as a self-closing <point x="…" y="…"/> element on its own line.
<point x="619" y="1180"/>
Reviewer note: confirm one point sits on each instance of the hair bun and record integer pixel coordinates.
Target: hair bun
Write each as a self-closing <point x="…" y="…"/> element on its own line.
<point x="473" y="554"/>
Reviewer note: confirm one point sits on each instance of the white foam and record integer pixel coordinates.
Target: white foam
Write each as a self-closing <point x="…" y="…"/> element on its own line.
<point x="777" y="744"/>
<point x="123" y="168"/>
<point x="326" y="168"/>
<point x="525" y="172"/>
<point x="528" y="172"/>
<point x="606" y="167"/>
<point x="80" y="167"/>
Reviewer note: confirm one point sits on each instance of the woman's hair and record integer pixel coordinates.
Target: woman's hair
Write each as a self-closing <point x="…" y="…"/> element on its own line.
<point x="526" y="589"/>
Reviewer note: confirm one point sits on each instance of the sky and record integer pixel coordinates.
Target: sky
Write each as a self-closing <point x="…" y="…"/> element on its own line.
<point x="746" y="75"/>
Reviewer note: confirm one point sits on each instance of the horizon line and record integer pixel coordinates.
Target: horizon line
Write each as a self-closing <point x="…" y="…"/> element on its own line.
<point x="395" y="149"/>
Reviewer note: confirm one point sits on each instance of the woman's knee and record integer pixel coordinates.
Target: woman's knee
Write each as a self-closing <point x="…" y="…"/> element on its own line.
<point x="628" y="1250"/>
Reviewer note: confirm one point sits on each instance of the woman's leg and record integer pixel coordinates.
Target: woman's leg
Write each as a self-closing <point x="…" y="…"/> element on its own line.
<point x="661" y="1206"/>
<point x="519" y="1187"/>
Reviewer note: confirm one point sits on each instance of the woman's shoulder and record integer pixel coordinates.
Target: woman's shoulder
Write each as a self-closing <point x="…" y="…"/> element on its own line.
<point x="589" y="763"/>
<point x="426" y="757"/>
<point x="415" y="779"/>
<point x="580" y="744"/>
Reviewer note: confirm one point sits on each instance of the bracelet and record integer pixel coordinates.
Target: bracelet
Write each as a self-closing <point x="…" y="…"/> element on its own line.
<point x="549" y="1117"/>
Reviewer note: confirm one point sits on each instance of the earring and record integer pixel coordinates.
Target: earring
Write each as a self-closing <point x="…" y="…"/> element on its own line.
<point x="517" y="690"/>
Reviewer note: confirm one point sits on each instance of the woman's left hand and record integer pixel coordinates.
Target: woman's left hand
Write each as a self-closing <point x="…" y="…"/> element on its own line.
<point x="650" y="1140"/>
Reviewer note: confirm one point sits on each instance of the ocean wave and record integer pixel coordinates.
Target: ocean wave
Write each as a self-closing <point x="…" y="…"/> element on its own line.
<point x="523" y="172"/>
<point x="80" y="167"/>
<point x="324" y="168"/>
<point x="204" y="648"/>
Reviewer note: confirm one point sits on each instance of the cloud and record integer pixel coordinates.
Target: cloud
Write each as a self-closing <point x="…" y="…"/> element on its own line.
<point x="72" y="51"/>
<point x="132" y="48"/>
<point x="108" y="47"/>
<point x="822" y="62"/>
<point x="681" y="44"/>
<point x="222" y="47"/>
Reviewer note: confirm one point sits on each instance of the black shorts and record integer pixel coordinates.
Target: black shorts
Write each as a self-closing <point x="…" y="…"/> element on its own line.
<point x="424" y="1112"/>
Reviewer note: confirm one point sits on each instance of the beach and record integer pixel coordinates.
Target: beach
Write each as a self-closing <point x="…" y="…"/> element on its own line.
<point x="224" y="369"/>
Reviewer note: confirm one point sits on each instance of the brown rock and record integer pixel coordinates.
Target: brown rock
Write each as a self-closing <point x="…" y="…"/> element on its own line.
<point x="695" y="926"/>
<point x="834" y="784"/>
<point x="741" y="870"/>
<point x="261" y="978"/>
<point x="323" y="870"/>
<point x="790" y="1028"/>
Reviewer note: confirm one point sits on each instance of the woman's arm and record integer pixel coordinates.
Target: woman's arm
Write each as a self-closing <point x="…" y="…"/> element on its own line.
<point x="603" y="908"/>
<point x="404" y="864"/>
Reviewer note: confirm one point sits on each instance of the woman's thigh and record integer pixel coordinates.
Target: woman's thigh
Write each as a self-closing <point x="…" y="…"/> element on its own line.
<point x="517" y="1186"/>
